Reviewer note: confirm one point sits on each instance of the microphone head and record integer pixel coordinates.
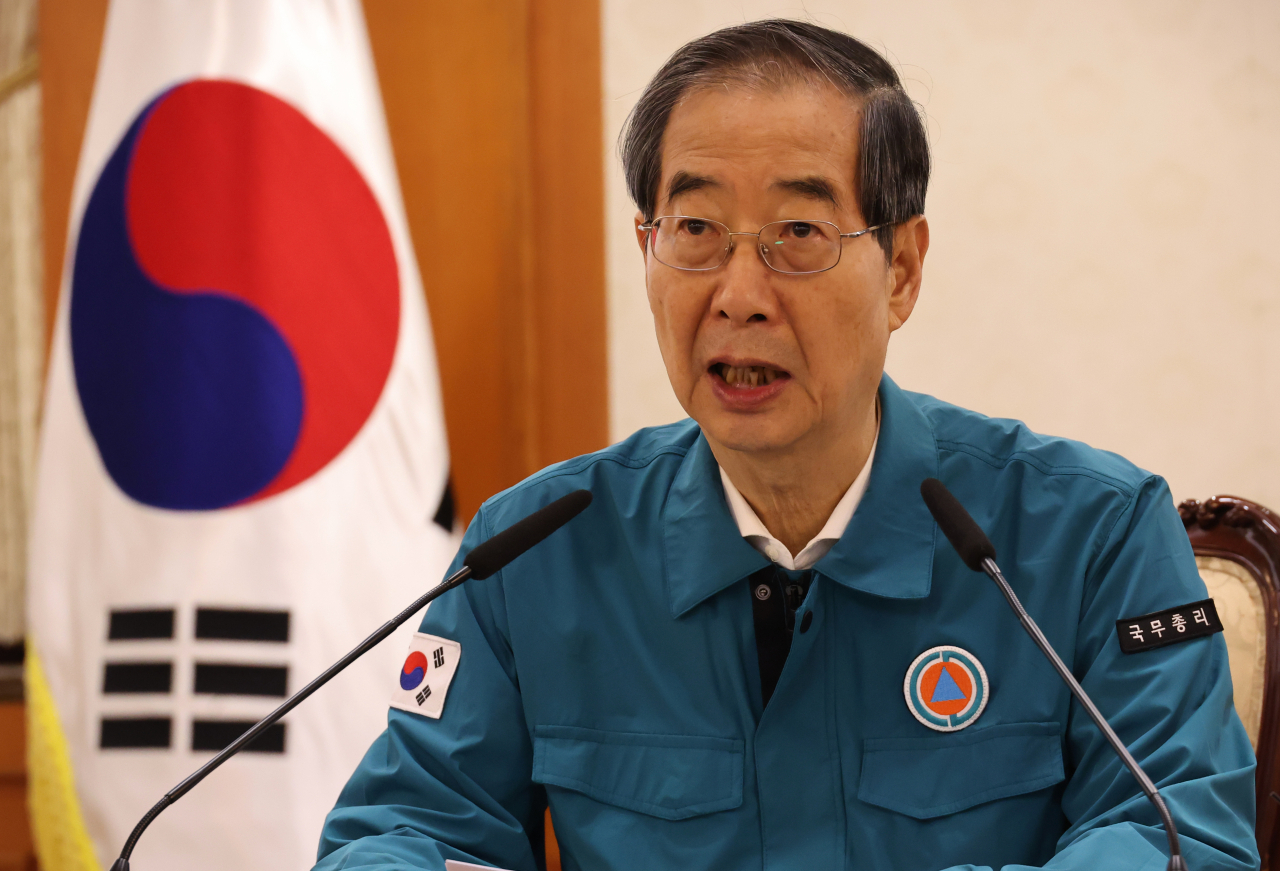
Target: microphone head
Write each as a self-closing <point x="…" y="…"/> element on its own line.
<point x="491" y="555"/>
<point x="965" y="535"/>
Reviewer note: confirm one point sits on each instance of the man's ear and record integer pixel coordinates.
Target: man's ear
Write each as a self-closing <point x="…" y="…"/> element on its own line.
<point x="641" y="235"/>
<point x="910" y="244"/>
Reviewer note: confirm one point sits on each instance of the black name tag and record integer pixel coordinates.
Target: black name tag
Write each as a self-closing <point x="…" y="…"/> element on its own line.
<point x="1168" y="627"/>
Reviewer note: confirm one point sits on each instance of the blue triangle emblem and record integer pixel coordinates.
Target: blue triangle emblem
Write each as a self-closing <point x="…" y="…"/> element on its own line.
<point x="946" y="690"/>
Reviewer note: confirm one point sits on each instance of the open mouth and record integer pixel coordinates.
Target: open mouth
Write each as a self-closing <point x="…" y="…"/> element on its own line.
<point x="746" y="377"/>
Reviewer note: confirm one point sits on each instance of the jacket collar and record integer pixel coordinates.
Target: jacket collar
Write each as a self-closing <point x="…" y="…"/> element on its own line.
<point x="886" y="550"/>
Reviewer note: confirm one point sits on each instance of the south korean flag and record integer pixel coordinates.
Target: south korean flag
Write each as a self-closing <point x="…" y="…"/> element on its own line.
<point x="426" y="674"/>
<point x="243" y="464"/>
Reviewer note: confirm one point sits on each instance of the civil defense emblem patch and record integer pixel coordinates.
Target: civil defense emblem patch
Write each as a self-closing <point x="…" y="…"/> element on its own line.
<point x="946" y="688"/>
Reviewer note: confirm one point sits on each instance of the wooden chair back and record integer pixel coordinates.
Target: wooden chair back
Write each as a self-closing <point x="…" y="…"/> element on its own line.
<point x="1237" y="548"/>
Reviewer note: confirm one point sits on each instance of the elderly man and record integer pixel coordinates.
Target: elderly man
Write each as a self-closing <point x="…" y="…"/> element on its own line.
<point x="754" y="649"/>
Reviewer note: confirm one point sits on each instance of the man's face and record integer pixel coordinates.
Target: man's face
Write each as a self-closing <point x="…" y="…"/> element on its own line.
<point x="766" y="362"/>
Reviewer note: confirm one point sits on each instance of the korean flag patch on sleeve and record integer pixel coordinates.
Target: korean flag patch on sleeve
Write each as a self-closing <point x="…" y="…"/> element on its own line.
<point x="426" y="674"/>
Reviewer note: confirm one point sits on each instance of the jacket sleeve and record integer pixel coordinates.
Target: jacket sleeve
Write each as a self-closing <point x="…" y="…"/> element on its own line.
<point x="454" y="788"/>
<point x="1171" y="706"/>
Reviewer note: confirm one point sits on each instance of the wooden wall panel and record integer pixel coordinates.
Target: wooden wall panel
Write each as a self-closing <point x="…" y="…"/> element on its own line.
<point x="568" y="217"/>
<point x="16" y="850"/>
<point x="70" y="37"/>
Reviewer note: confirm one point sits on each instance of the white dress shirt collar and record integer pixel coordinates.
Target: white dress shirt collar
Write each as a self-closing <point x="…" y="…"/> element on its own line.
<point x="754" y="531"/>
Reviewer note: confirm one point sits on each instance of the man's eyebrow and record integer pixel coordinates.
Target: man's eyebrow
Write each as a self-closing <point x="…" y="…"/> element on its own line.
<point x="813" y="187"/>
<point x="684" y="182"/>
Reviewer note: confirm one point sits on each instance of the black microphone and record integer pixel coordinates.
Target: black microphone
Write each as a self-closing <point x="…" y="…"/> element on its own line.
<point x="977" y="552"/>
<point x="485" y="559"/>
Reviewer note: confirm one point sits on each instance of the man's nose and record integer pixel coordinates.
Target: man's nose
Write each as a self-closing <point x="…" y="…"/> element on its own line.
<point x="745" y="294"/>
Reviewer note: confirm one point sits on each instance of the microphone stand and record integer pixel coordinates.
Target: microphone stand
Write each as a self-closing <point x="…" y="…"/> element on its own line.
<point x="483" y="561"/>
<point x="1176" y="862"/>
<point x="122" y="863"/>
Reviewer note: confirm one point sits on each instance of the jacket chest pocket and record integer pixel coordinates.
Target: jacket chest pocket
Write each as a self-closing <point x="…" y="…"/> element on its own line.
<point x="672" y="777"/>
<point x="929" y="777"/>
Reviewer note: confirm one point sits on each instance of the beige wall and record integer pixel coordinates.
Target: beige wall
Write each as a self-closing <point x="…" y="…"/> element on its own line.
<point x="1105" y="210"/>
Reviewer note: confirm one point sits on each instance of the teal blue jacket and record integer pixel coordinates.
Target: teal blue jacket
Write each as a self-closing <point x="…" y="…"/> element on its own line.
<point x="611" y="673"/>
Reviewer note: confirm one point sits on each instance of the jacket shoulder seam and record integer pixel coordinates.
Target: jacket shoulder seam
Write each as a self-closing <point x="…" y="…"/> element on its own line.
<point x="579" y="464"/>
<point x="1000" y="462"/>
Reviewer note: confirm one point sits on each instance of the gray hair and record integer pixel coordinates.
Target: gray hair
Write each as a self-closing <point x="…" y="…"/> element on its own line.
<point x="893" y="151"/>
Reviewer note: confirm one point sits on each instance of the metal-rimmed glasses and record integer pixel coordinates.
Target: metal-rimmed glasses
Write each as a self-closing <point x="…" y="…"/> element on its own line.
<point x="789" y="247"/>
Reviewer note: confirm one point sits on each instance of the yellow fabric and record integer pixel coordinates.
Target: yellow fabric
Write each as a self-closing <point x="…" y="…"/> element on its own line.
<point x="1244" y="623"/>
<point x="62" y="842"/>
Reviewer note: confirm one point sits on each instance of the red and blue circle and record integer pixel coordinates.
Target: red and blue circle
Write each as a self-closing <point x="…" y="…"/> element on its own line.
<point x="235" y="300"/>
<point x="413" y="672"/>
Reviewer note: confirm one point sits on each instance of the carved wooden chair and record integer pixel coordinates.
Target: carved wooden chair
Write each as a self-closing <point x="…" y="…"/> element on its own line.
<point x="1237" y="548"/>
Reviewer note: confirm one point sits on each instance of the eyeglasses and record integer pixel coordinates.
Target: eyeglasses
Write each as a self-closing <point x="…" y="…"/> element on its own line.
<point x="789" y="247"/>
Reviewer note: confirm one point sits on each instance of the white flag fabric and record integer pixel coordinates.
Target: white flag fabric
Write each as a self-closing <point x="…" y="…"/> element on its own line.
<point x="243" y="465"/>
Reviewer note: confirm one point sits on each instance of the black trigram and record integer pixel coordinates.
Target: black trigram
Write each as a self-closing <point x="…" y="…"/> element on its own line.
<point x="154" y="676"/>
<point x="438" y="657"/>
<point x="423" y="695"/>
